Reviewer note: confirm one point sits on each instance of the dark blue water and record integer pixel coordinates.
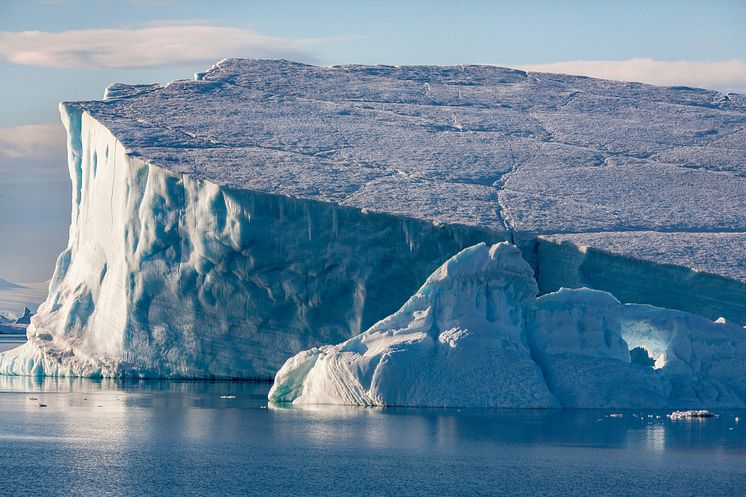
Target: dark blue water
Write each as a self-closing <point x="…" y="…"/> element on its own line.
<point x="181" y="438"/>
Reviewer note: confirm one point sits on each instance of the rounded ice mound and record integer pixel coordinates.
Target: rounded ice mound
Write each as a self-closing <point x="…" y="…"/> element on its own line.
<point x="577" y="337"/>
<point x="476" y="334"/>
<point x="581" y="339"/>
<point x="459" y="341"/>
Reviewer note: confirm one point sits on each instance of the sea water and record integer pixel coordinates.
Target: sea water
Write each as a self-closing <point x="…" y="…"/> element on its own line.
<point x="85" y="437"/>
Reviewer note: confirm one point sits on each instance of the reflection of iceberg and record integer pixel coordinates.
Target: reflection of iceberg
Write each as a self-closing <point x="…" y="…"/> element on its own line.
<point x="475" y="334"/>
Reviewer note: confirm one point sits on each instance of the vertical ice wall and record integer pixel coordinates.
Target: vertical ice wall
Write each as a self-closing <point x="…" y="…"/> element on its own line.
<point x="166" y="275"/>
<point x="631" y="280"/>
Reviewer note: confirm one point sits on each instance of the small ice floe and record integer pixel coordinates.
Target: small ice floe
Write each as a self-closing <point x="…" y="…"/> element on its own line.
<point x="737" y="419"/>
<point x="227" y="396"/>
<point x="703" y="413"/>
<point x="616" y="415"/>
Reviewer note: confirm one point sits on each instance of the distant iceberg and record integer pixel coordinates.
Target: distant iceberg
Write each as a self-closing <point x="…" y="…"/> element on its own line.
<point x="475" y="334"/>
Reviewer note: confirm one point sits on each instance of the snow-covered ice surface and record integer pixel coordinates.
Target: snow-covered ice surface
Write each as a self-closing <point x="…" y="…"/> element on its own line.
<point x="476" y="334"/>
<point x="223" y="224"/>
<point x="479" y="145"/>
<point x="717" y="253"/>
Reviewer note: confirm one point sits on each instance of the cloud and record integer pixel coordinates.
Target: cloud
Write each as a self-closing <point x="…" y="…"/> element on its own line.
<point x="163" y="44"/>
<point x="726" y="75"/>
<point x="33" y="141"/>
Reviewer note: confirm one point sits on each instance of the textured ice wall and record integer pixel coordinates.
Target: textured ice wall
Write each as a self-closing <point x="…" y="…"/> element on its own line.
<point x="562" y="262"/>
<point x="170" y="276"/>
<point x="475" y="334"/>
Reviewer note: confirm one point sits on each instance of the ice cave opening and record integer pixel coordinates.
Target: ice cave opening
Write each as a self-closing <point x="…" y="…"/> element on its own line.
<point x="648" y="344"/>
<point x="640" y="355"/>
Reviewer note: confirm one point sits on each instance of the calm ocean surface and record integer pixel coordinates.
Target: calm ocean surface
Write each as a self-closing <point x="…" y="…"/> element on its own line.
<point x="182" y="438"/>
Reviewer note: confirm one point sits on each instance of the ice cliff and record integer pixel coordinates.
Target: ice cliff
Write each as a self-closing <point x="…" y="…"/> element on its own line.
<point x="476" y="334"/>
<point x="221" y="225"/>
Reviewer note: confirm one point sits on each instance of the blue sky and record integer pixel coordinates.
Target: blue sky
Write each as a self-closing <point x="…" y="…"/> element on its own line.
<point x="76" y="48"/>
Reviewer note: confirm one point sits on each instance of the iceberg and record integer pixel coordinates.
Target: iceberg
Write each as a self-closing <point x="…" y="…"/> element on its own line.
<point x="459" y="341"/>
<point x="477" y="334"/>
<point x="223" y="224"/>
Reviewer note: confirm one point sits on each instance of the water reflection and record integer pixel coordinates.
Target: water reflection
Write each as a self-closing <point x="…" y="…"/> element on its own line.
<point x="148" y="430"/>
<point x="203" y="410"/>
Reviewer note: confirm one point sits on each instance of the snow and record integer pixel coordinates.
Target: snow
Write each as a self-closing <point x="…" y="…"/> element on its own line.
<point x="476" y="334"/>
<point x="476" y="145"/>
<point x="221" y="225"/>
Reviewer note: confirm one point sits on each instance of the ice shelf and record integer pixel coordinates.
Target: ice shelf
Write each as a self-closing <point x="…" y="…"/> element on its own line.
<point x="222" y="224"/>
<point x="483" y="146"/>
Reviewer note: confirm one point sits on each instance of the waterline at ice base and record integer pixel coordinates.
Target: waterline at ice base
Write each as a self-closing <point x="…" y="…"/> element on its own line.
<point x="223" y="225"/>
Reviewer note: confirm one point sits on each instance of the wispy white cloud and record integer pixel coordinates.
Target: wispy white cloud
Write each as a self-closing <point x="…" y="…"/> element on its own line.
<point x="726" y="75"/>
<point x="37" y="141"/>
<point x="163" y="44"/>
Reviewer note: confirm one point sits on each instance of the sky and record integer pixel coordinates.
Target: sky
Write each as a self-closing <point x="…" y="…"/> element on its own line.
<point x="56" y="50"/>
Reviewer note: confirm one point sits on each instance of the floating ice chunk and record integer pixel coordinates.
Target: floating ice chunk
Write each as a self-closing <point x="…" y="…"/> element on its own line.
<point x="475" y="334"/>
<point x="578" y="341"/>
<point x="702" y="413"/>
<point x="459" y="341"/>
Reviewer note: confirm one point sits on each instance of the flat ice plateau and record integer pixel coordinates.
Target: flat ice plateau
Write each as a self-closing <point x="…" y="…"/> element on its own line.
<point x="222" y="225"/>
<point x="476" y="334"/>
